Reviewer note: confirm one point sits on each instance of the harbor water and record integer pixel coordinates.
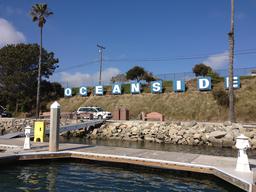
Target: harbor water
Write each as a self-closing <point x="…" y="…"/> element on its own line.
<point x="79" y="176"/>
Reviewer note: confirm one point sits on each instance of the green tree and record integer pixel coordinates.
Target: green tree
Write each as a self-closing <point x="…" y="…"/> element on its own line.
<point x="139" y="73"/>
<point x="50" y="92"/>
<point x="135" y="73"/>
<point x="201" y="69"/>
<point x="205" y="70"/>
<point x="18" y="74"/>
<point x="215" y="77"/>
<point x="119" y="78"/>
<point x="39" y="13"/>
<point x="149" y="77"/>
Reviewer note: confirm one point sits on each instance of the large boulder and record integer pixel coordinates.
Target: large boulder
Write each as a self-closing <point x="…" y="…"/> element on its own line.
<point x="135" y="130"/>
<point x="2" y="130"/>
<point x="181" y="132"/>
<point x="149" y="138"/>
<point x="253" y="143"/>
<point x="215" y="142"/>
<point x="189" y="124"/>
<point x="228" y="140"/>
<point x="227" y="123"/>
<point x="197" y="136"/>
<point x="217" y="134"/>
<point x="249" y="134"/>
<point x="94" y="132"/>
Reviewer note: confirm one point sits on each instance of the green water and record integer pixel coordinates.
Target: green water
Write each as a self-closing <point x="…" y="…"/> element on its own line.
<point x="79" y="176"/>
<point x="67" y="175"/>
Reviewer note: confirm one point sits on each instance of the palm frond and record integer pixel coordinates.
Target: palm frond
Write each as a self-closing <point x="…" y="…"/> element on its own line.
<point x="44" y="6"/>
<point x="38" y="6"/>
<point x="39" y="12"/>
<point x="49" y="13"/>
<point x="34" y="18"/>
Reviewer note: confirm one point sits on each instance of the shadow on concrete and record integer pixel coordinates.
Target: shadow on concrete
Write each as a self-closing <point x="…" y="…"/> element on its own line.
<point x="39" y="147"/>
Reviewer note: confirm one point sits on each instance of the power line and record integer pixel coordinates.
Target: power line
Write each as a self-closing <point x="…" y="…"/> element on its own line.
<point x="162" y="59"/>
<point x="180" y="58"/>
<point x="77" y="66"/>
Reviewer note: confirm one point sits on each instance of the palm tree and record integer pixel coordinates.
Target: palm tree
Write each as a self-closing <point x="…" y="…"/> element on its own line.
<point x="39" y="13"/>
<point x="231" y="61"/>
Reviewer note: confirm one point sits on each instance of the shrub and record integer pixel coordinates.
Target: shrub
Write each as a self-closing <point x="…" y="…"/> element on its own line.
<point x="215" y="77"/>
<point x="149" y="77"/>
<point x="119" y="78"/>
<point x="221" y="96"/>
<point x="125" y="88"/>
<point x="205" y="70"/>
<point x="167" y="86"/>
<point x="201" y="69"/>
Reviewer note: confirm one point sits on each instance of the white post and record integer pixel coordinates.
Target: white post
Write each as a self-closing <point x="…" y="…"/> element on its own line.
<point x="27" y="144"/>
<point x="54" y="127"/>
<point x="242" y="164"/>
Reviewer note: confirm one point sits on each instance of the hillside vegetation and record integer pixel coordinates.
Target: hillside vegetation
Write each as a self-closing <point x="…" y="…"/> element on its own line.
<point x="191" y="105"/>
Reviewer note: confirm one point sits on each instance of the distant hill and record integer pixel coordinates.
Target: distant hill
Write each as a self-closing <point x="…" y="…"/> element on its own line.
<point x="191" y="105"/>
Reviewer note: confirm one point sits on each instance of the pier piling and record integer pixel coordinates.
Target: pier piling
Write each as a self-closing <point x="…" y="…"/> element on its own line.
<point x="54" y="127"/>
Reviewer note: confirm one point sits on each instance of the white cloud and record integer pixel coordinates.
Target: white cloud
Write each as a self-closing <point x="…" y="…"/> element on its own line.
<point x="217" y="61"/>
<point x="78" y="79"/>
<point x="9" y="35"/>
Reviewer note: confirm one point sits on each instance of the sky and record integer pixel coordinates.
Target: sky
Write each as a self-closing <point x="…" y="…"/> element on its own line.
<point x="163" y="36"/>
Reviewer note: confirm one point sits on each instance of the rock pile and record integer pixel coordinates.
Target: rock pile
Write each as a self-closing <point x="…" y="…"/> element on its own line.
<point x="184" y="133"/>
<point x="9" y="125"/>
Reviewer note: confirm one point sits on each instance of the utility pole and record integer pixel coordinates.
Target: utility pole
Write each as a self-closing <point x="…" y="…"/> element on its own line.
<point x="101" y="48"/>
<point x="232" y="117"/>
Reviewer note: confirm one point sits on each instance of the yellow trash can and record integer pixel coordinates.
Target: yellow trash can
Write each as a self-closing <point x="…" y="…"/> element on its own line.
<point x="39" y="131"/>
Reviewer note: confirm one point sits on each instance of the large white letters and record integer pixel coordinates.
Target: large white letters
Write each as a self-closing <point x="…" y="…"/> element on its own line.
<point x="135" y="88"/>
<point x="68" y="92"/>
<point x="83" y="91"/>
<point x="204" y="83"/>
<point x="236" y="82"/>
<point x="179" y="86"/>
<point x="116" y="89"/>
<point x="156" y="87"/>
<point x="99" y="90"/>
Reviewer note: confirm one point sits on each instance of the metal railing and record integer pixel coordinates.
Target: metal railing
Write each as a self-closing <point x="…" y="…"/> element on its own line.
<point x="191" y="75"/>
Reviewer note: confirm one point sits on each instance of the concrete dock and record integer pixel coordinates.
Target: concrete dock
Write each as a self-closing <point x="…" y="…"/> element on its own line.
<point x="222" y="167"/>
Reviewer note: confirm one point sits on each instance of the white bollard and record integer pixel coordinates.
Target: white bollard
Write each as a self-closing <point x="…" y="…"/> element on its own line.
<point x="27" y="144"/>
<point x="242" y="164"/>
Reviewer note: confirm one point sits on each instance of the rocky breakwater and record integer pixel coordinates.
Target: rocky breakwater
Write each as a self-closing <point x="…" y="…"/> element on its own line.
<point x="183" y="133"/>
<point x="10" y="125"/>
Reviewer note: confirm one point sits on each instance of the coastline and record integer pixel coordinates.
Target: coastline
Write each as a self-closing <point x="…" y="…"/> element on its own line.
<point x="181" y="133"/>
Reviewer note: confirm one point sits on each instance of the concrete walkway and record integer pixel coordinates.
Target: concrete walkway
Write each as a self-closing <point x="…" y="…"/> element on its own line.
<point x="222" y="167"/>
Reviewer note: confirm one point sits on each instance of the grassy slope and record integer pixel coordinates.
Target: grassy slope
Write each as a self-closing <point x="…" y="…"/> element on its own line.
<point x="191" y="105"/>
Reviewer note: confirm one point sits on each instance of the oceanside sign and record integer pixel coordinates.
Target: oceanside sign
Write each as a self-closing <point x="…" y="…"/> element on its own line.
<point x="203" y="84"/>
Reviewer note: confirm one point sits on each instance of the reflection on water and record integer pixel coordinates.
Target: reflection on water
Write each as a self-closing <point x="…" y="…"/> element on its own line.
<point x="73" y="176"/>
<point x="229" y="152"/>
